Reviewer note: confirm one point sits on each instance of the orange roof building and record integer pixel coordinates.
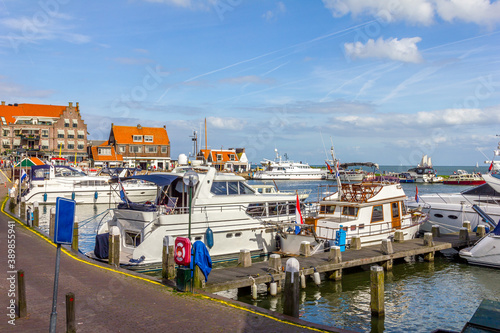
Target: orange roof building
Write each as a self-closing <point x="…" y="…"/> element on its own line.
<point x="43" y="130"/>
<point x="232" y="160"/>
<point x="147" y="147"/>
<point x="105" y="155"/>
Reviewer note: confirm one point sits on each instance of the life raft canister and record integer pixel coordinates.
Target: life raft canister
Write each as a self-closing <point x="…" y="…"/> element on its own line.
<point x="182" y="251"/>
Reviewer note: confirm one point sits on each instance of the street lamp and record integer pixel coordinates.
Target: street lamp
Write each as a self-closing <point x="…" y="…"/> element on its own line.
<point x="190" y="179"/>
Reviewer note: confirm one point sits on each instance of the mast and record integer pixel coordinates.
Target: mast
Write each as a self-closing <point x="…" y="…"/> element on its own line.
<point x="337" y="173"/>
<point x="206" y="143"/>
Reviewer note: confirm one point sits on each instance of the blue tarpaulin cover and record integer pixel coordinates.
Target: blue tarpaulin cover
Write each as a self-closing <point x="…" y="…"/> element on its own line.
<point x="202" y="258"/>
<point x="101" y="246"/>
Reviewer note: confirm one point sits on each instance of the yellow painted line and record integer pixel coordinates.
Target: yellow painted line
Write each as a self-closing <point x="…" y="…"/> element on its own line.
<point x="71" y="255"/>
<point x="5" y="175"/>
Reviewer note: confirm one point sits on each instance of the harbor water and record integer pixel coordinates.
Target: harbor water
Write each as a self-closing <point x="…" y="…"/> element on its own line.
<point x="419" y="296"/>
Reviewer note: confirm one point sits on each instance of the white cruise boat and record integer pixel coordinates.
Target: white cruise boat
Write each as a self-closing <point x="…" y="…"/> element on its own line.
<point x="48" y="182"/>
<point x="371" y="210"/>
<point x="280" y="169"/>
<point x="223" y="202"/>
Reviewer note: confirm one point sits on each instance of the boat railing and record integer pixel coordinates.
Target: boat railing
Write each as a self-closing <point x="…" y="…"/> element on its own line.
<point x="329" y="233"/>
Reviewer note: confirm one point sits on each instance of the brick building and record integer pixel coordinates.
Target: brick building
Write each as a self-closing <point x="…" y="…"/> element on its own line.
<point x="43" y="131"/>
<point x="141" y="146"/>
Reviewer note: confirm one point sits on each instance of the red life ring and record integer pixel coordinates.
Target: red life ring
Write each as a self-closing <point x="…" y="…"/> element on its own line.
<point x="182" y="251"/>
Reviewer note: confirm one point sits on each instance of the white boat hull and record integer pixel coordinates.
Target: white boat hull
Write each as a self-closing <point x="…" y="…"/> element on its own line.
<point x="93" y="195"/>
<point x="485" y="253"/>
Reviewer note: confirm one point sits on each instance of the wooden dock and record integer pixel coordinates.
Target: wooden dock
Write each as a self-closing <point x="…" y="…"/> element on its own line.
<point x="240" y="277"/>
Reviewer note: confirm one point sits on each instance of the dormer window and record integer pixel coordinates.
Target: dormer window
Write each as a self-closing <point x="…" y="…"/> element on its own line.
<point x="137" y="138"/>
<point x="148" y="138"/>
<point x="231" y="157"/>
<point x="219" y="157"/>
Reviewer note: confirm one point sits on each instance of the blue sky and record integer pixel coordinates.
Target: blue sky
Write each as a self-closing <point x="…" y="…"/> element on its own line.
<point x="386" y="81"/>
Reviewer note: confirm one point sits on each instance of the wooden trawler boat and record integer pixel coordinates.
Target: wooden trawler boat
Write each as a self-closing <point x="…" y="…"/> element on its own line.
<point x="372" y="210"/>
<point x="225" y="213"/>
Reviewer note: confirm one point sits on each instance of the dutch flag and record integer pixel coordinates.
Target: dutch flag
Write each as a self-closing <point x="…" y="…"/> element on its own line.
<point x="23" y="175"/>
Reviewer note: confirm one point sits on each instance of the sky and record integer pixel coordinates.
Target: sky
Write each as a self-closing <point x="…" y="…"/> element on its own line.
<point x="381" y="81"/>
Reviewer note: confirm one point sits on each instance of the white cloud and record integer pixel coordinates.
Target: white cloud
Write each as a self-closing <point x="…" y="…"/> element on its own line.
<point x="414" y="11"/>
<point x="404" y="49"/>
<point x="226" y="123"/>
<point x="481" y="12"/>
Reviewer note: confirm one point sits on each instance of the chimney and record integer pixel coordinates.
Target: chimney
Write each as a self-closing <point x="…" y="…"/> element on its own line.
<point x="70" y="104"/>
<point x="77" y="105"/>
<point x="165" y="126"/>
<point x="139" y="126"/>
<point x="3" y="102"/>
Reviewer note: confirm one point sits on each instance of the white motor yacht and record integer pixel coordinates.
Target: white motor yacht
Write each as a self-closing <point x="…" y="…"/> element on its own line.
<point x="280" y="169"/>
<point x="424" y="172"/>
<point x="48" y="182"/>
<point x="221" y="202"/>
<point x="371" y="210"/>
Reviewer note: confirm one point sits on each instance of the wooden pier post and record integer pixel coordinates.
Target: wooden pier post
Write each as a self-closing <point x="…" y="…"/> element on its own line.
<point x="377" y="291"/>
<point x="436" y="232"/>
<point x="428" y="241"/>
<point x="399" y="236"/>
<point x="275" y="263"/>
<point x="305" y="249"/>
<point x="114" y="246"/>
<point x="355" y="243"/>
<point x="198" y="278"/>
<point x="335" y="256"/>
<point x="22" y="310"/>
<point x="386" y="248"/>
<point x="74" y="243"/>
<point x="52" y="222"/>
<point x="464" y="234"/>
<point x="36" y="215"/>
<point x="70" y="313"/>
<point x="466" y="224"/>
<point x="168" y="263"/>
<point x="245" y="260"/>
<point x="481" y="230"/>
<point x="292" y="291"/>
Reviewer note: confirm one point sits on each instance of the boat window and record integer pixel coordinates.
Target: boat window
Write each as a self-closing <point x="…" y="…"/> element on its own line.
<point x="273" y="208"/>
<point x="219" y="188"/>
<point x="238" y="234"/>
<point x="395" y="209"/>
<point x="350" y="211"/>
<point x="377" y="214"/>
<point x="245" y="189"/>
<point x="453" y="217"/>
<point x="256" y="209"/>
<point x="403" y="208"/>
<point x="438" y="215"/>
<point x="132" y="238"/>
<point x="229" y="235"/>
<point x="232" y="188"/>
<point x="327" y="209"/>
